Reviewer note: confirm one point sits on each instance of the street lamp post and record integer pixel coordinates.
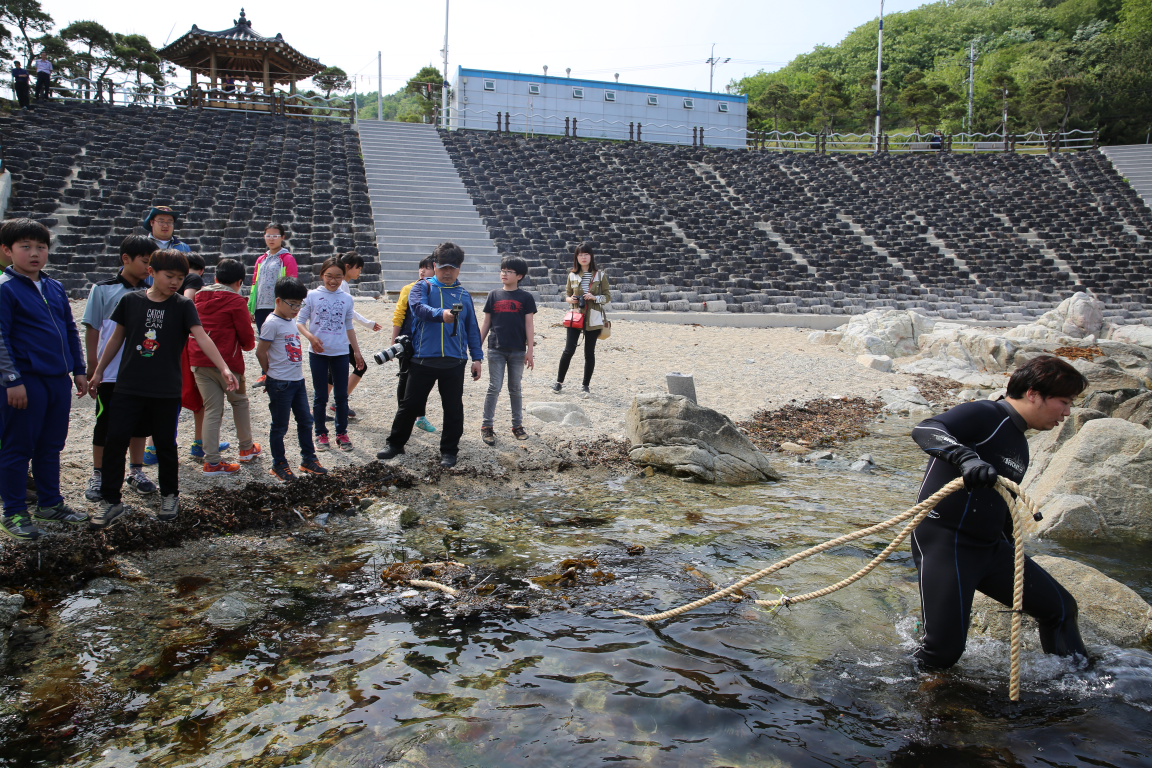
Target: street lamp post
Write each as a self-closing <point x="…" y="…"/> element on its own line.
<point x="879" y="62"/>
<point x="712" y="62"/>
<point x="444" y="89"/>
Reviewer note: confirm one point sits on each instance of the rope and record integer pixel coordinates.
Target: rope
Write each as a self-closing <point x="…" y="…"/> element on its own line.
<point x="1006" y="488"/>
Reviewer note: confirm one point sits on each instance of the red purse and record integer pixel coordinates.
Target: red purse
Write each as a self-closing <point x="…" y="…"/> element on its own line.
<point x="574" y="318"/>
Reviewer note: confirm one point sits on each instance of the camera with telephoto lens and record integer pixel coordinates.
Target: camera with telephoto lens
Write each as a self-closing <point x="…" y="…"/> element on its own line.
<point x="401" y="348"/>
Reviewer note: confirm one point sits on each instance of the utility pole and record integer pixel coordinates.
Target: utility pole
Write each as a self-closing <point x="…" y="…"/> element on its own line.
<point x="879" y="62"/>
<point x="971" y="79"/>
<point x="1005" y="118"/>
<point x="712" y="62"/>
<point x="444" y="90"/>
<point x="379" y="87"/>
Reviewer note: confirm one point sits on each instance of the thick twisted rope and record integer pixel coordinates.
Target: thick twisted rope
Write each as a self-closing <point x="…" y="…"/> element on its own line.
<point x="1006" y="488"/>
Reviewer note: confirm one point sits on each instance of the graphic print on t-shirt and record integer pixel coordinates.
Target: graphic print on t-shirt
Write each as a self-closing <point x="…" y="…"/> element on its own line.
<point x="328" y="318"/>
<point x="507" y="305"/>
<point x="153" y="321"/>
<point x="292" y="348"/>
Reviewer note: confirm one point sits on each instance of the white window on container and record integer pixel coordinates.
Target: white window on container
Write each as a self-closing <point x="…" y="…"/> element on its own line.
<point x="489" y="85"/>
<point x="689" y="104"/>
<point x="533" y="89"/>
<point x="722" y="106"/>
<point x="653" y="101"/>
<point x="609" y="95"/>
<point x="577" y="93"/>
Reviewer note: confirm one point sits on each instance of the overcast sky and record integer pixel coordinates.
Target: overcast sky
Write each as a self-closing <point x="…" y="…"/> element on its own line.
<point x="655" y="42"/>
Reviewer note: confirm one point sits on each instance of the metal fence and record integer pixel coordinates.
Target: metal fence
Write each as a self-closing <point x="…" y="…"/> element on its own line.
<point x="238" y="98"/>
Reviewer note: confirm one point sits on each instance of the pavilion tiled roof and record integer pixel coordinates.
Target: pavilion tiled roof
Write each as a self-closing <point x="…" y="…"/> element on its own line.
<point x="193" y="49"/>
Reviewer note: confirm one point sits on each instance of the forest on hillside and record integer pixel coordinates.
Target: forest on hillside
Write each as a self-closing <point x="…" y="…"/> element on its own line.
<point x="1052" y="65"/>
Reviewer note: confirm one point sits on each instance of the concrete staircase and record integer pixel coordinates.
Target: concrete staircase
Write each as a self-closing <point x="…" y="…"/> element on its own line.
<point x="1134" y="162"/>
<point x="418" y="202"/>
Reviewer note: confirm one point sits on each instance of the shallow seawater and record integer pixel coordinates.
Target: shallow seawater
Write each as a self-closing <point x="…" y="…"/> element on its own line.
<point x="340" y="670"/>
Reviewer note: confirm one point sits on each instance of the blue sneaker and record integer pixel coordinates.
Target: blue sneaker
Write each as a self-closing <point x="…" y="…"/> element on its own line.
<point x="150" y="456"/>
<point x="425" y="425"/>
<point x="198" y="449"/>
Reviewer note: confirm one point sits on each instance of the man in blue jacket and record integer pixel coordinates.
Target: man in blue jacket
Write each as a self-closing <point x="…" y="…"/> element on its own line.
<point x="442" y="339"/>
<point x="39" y="351"/>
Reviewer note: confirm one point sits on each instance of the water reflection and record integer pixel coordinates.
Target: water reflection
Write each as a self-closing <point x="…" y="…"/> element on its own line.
<point x="343" y="671"/>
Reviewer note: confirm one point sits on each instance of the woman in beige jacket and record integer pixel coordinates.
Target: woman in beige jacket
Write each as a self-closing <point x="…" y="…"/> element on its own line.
<point x="587" y="291"/>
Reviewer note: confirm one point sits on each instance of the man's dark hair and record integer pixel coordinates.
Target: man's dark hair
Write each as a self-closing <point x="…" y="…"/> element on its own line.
<point x="195" y="261"/>
<point x="282" y="229"/>
<point x="169" y="260"/>
<point x="13" y="231"/>
<point x="352" y="259"/>
<point x="1048" y="377"/>
<point x="427" y="263"/>
<point x="135" y="246"/>
<point x="290" y="289"/>
<point x="516" y="264"/>
<point x="448" y="255"/>
<point x="229" y="271"/>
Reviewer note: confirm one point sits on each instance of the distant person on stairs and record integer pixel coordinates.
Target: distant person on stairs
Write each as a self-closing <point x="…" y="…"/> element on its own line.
<point x="275" y="263"/>
<point x="43" y="77"/>
<point x="22" y="84"/>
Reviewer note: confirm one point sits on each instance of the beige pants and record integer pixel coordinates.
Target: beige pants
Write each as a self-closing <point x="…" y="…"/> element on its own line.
<point x="212" y="389"/>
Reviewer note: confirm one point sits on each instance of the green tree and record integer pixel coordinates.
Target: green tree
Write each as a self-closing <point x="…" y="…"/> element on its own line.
<point x="136" y="56"/>
<point x="96" y="44"/>
<point x="775" y="102"/>
<point x="332" y="80"/>
<point x="826" y="102"/>
<point x="424" y="90"/>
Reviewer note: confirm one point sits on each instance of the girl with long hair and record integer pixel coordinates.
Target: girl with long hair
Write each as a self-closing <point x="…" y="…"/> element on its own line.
<point x="586" y="290"/>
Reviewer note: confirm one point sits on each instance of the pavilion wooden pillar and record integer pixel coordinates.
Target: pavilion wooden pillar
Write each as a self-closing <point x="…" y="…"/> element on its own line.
<point x="212" y="68"/>
<point x="267" y="75"/>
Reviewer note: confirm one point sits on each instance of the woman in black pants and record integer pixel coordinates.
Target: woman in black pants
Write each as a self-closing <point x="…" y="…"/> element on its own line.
<point x="587" y="290"/>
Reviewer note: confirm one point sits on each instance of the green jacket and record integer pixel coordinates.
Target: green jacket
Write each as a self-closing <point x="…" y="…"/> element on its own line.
<point x="593" y="310"/>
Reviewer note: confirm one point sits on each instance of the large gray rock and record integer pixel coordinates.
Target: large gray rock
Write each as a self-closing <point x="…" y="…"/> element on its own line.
<point x="233" y="611"/>
<point x="1106" y="376"/>
<point x="1110" y="612"/>
<point x="890" y="332"/>
<point x="1138" y="410"/>
<point x="1044" y="445"/>
<point x="1109" y="461"/>
<point x="568" y="414"/>
<point x="10" y="605"/>
<point x="675" y="435"/>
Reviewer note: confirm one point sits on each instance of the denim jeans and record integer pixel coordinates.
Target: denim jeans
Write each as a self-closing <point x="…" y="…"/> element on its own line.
<point x="285" y="399"/>
<point x="327" y="368"/>
<point x="500" y="361"/>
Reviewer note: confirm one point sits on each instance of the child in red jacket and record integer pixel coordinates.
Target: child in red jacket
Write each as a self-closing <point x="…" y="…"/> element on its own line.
<point x="224" y="314"/>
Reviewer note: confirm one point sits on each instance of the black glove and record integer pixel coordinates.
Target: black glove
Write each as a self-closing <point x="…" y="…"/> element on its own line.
<point x="977" y="473"/>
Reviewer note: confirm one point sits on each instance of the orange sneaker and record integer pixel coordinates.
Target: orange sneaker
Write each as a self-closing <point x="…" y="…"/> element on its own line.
<point x="223" y="468"/>
<point x="251" y="453"/>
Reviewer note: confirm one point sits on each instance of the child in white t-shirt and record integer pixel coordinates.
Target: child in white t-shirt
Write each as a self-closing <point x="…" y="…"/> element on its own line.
<point x="326" y="321"/>
<point x="281" y="359"/>
<point x="353" y="265"/>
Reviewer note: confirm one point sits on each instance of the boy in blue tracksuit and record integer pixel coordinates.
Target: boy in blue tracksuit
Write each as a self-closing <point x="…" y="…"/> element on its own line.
<point x="39" y="350"/>
<point x="441" y="343"/>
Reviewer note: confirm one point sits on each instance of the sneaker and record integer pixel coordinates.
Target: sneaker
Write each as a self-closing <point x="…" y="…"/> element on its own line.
<point x="322" y="442"/>
<point x="251" y="453"/>
<point x="585" y="389"/>
<point x="60" y="513"/>
<point x="343" y="443"/>
<point x="150" y="455"/>
<point x="556" y="386"/>
<point x="425" y="425"/>
<point x="282" y="473"/>
<point x="488" y="435"/>
<point x="197" y="449"/>
<point x="447" y="460"/>
<point x="93" y="492"/>
<point x="223" y="468"/>
<point x="389" y="452"/>
<point x="140" y="482"/>
<point x="312" y="467"/>
<point x="170" y="507"/>
<point x="520" y="433"/>
<point x="106" y="514"/>
<point x="332" y="410"/>
<point x="19" y="526"/>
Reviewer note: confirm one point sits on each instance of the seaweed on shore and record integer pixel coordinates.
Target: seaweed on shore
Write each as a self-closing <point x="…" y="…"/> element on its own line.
<point x="816" y="423"/>
<point x="77" y="553"/>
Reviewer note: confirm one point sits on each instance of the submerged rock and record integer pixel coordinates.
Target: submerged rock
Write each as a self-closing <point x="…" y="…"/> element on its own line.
<point x="1110" y="612"/>
<point x="675" y="435"/>
<point x="232" y="611"/>
<point x="10" y="605"/>
<point x="1109" y="461"/>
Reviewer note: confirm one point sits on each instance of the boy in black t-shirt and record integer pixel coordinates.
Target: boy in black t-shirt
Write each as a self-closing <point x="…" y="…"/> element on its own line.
<point x="508" y="316"/>
<point x="153" y="326"/>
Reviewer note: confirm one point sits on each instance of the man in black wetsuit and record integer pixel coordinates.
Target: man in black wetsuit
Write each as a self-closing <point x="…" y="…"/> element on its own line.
<point x="965" y="544"/>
